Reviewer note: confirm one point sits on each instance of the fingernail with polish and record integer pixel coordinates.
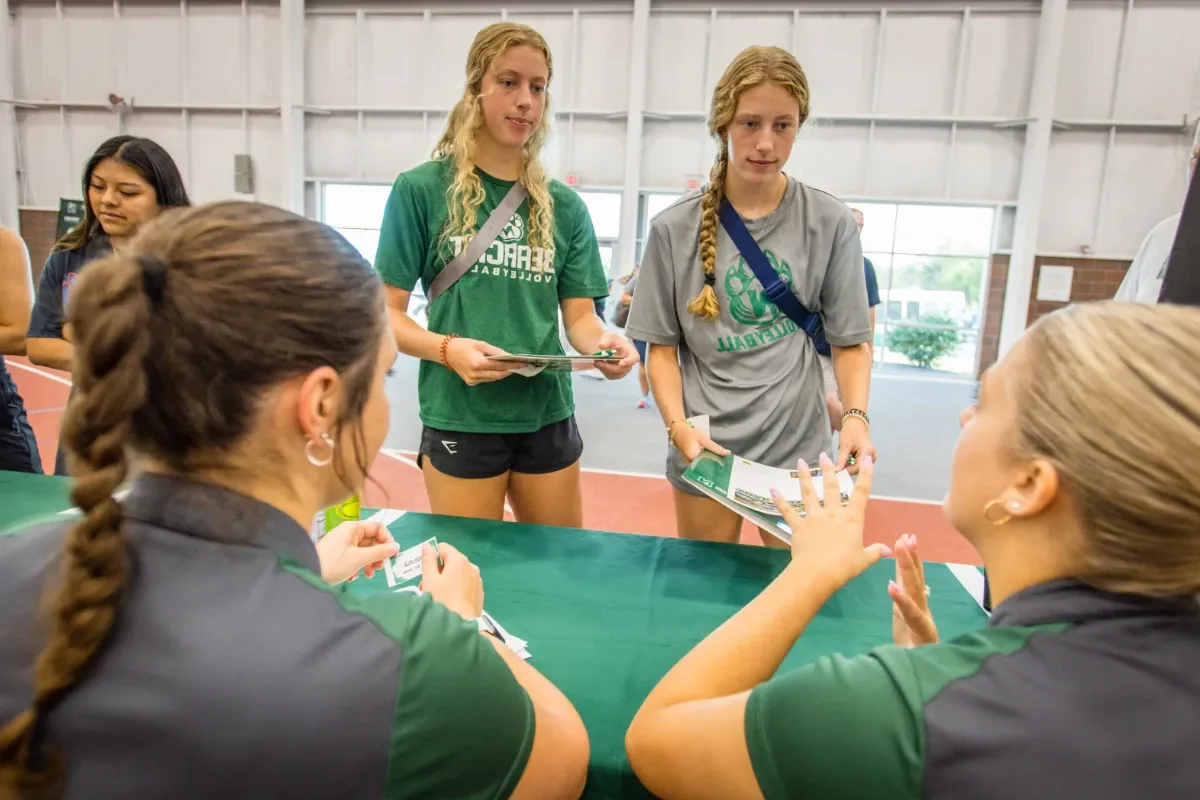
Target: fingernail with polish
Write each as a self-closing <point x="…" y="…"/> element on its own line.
<point x="867" y="461"/>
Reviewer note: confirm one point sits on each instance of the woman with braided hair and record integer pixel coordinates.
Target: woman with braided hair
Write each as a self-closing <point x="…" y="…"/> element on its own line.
<point x="718" y="345"/>
<point x="487" y="434"/>
<point x="195" y="645"/>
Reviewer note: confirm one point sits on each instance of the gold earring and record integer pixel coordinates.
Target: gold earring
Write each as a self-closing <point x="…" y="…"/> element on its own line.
<point x="987" y="510"/>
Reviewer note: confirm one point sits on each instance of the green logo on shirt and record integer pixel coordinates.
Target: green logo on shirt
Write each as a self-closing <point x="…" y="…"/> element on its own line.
<point x="749" y="305"/>
<point x="510" y="257"/>
<point x="748" y="301"/>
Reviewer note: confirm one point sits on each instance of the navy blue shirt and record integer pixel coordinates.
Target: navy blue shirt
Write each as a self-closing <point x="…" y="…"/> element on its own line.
<point x="872" y="301"/>
<point x="54" y="288"/>
<point x="50" y="305"/>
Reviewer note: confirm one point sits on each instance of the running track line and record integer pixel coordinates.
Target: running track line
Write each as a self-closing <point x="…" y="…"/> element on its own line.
<point x="42" y="372"/>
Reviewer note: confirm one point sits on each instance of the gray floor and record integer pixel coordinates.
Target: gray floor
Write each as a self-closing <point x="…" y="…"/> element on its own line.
<point x="914" y="420"/>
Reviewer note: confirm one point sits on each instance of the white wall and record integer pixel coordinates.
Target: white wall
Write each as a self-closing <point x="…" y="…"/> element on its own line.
<point x="906" y="105"/>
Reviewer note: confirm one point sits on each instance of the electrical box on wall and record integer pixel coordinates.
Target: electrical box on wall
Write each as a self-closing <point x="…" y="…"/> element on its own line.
<point x="243" y="174"/>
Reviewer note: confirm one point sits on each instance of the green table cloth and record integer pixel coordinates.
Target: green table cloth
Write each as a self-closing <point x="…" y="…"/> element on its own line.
<point x="607" y="614"/>
<point x="25" y="498"/>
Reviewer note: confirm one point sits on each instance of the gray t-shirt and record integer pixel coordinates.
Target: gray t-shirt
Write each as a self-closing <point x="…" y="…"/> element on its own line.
<point x="753" y="371"/>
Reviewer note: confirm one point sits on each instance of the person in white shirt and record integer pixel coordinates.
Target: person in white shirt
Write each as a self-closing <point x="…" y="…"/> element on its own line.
<point x="1143" y="281"/>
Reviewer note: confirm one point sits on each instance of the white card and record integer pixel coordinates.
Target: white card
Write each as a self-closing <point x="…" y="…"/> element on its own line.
<point x="407" y="565"/>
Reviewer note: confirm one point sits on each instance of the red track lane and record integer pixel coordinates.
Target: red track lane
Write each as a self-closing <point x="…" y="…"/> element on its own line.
<point x="611" y="502"/>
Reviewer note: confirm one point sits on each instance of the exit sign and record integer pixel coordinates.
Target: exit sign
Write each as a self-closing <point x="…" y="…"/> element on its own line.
<point x="693" y="183"/>
<point x="572" y="179"/>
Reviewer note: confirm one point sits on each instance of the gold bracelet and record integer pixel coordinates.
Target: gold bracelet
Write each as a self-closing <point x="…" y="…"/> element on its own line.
<point x="671" y="430"/>
<point x="855" y="412"/>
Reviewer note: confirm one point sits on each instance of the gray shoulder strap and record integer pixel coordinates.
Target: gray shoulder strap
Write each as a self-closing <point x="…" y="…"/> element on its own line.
<point x="480" y="242"/>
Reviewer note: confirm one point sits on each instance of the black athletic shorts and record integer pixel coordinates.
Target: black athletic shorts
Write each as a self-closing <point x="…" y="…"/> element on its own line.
<point x="486" y="455"/>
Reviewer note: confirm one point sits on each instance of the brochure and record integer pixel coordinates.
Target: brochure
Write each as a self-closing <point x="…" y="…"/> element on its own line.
<point x="533" y="364"/>
<point x="744" y="486"/>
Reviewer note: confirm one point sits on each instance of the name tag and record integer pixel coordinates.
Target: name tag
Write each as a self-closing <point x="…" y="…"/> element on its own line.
<point x="406" y="566"/>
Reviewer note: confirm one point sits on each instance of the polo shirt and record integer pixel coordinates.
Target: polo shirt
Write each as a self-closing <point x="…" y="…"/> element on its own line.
<point x="1069" y="692"/>
<point x="234" y="670"/>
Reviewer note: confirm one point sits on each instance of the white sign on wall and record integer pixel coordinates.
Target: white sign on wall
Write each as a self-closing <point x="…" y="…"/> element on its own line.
<point x="1054" y="283"/>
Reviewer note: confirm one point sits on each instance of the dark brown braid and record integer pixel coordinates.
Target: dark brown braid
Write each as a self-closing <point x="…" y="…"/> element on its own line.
<point x="112" y="320"/>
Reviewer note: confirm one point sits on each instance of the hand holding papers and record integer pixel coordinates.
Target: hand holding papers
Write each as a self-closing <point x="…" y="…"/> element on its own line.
<point x="532" y="364"/>
<point x="404" y="574"/>
<point x="744" y="486"/>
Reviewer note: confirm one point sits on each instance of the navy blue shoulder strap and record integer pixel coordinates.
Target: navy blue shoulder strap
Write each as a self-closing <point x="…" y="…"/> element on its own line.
<point x="778" y="291"/>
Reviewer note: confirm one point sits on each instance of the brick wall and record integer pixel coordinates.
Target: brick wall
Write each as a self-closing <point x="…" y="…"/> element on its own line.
<point x="38" y="229"/>
<point x="1094" y="279"/>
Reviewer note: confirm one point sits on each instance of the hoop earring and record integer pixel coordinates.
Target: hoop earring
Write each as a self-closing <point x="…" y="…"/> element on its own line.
<point x="308" y="451"/>
<point x="987" y="510"/>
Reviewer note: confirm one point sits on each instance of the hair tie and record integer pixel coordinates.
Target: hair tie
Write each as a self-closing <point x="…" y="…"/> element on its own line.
<point x="154" y="276"/>
<point x="36" y="760"/>
<point x="710" y="278"/>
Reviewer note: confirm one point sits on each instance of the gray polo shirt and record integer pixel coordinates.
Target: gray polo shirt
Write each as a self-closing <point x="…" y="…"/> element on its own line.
<point x="1068" y="693"/>
<point x="752" y="371"/>
<point x="235" y="671"/>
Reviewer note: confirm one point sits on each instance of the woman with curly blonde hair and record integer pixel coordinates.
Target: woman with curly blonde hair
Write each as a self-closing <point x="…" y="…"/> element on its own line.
<point x="487" y="434"/>
<point x="718" y="344"/>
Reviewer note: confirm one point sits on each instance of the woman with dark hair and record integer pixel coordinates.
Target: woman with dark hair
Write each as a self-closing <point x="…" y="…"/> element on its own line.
<point x="127" y="182"/>
<point x="190" y="640"/>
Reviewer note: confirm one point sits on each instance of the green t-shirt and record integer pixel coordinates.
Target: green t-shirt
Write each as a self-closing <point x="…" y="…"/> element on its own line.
<point x="504" y="300"/>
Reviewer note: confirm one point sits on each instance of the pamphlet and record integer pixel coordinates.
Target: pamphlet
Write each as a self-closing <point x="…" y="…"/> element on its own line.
<point x="533" y="364"/>
<point x="744" y="486"/>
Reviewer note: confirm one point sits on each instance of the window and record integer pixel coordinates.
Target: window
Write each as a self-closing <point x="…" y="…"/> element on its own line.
<point x="355" y="210"/>
<point x="931" y="264"/>
<point x="653" y="203"/>
<point x="657" y="203"/>
<point x="604" y="207"/>
<point x="605" y="210"/>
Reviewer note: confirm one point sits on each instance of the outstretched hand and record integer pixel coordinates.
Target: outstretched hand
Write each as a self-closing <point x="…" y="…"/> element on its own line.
<point x="829" y="538"/>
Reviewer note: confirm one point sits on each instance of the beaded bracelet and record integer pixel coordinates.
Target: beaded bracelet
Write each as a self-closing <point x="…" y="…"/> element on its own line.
<point x="445" y="344"/>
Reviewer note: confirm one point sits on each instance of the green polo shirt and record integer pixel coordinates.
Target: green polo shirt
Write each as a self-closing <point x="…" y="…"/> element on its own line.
<point x="234" y="670"/>
<point x="1069" y="692"/>
<point x="509" y="298"/>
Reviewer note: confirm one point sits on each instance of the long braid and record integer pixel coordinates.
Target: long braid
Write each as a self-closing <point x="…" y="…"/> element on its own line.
<point x="705" y="305"/>
<point x="111" y="314"/>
